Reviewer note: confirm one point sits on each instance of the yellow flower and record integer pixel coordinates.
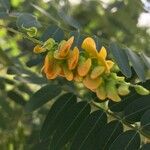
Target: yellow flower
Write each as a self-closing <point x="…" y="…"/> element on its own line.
<point x="84" y="67"/>
<point x="51" y="68"/>
<point x="64" y="48"/>
<point x="92" y="84"/>
<point x="73" y="58"/>
<point x="102" y="57"/>
<point x="89" y="46"/>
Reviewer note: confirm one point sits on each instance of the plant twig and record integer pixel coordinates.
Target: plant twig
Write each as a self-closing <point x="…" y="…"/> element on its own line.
<point x="22" y="34"/>
<point x="115" y="116"/>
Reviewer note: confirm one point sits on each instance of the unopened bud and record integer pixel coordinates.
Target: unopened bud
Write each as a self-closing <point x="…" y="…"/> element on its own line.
<point x="101" y="92"/>
<point x="112" y="91"/>
<point x="38" y="49"/>
<point x="32" y="31"/>
<point x="49" y="44"/>
<point x="141" y="90"/>
<point x="123" y="89"/>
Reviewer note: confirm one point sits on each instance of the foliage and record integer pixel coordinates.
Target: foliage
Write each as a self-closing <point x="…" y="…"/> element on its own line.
<point x="75" y="118"/>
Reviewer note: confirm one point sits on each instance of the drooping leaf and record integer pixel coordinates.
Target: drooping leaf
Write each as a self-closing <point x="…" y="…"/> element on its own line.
<point x="137" y="64"/>
<point x="121" y="59"/>
<point x="56" y="112"/>
<point x="42" y="96"/>
<point x="86" y="136"/>
<point x="108" y="134"/>
<point x="129" y="140"/>
<point x="70" y="123"/>
<point x="26" y="20"/>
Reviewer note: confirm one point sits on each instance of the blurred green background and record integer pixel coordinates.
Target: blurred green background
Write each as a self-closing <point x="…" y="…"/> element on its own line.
<point x="112" y="20"/>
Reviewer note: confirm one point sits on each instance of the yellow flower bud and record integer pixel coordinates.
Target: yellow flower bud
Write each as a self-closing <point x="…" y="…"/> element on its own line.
<point x="141" y="90"/>
<point x="123" y="90"/>
<point x="112" y="91"/>
<point x="38" y="49"/>
<point x="101" y="92"/>
<point x="49" y="44"/>
<point x="32" y="31"/>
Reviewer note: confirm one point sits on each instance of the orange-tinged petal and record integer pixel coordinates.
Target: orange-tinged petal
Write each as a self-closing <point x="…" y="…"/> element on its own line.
<point x="103" y="53"/>
<point x="97" y="71"/>
<point x="57" y="55"/>
<point x="92" y="84"/>
<point x="47" y="62"/>
<point x="84" y="67"/>
<point x="101" y="92"/>
<point x="89" y="46"/>
<point x="52" y="74"/>
<point x="38" y="49"/>
<point x="68" y="74"/>
<point x="73" y="58"/>
<point x="51" y="68"/>
<point x="65" y="47"/>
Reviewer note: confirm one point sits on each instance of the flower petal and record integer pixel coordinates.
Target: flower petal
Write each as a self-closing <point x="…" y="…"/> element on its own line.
<point x="101" y="92"/>
<point x="51" y="68"/>
<point x="68" y="73"/>
<point x="38" y="49"/>
<point x="92" y="84"/>
<point x="112" y="92"/>
<point x="102" y="53"/>
<point x="97" y="71"/>
<point x="84" y="67"/>
<point x="65" y="47"/>
<point x="52" y="74"/>
<point x="109" y="64"/>
<point x="73" y="58"/>
<point x="89" y="46"/>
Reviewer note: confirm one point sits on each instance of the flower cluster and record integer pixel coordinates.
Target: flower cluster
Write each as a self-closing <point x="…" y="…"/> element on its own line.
<point x="89" y="66"/>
